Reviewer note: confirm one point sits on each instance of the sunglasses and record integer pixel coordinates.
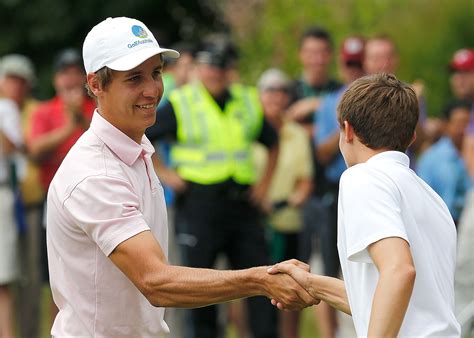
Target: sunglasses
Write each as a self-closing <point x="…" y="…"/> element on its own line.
<point x="275" y="89"/>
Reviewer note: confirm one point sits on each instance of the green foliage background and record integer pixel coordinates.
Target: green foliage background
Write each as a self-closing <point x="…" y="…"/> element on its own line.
<point x="426" y="32"/>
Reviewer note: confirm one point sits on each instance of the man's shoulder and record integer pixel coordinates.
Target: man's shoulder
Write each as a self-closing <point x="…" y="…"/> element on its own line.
<point x="89" y="157"/>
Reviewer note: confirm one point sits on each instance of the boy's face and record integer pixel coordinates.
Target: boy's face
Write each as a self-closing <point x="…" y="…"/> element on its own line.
<point x="129" y="101"/>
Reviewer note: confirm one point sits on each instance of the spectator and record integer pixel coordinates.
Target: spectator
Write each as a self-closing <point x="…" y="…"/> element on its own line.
<point x="315" y="55"/>
<point x="17" y="78"/>
<point x="10" y="140"/>
<point x="442" y="165"/>
<point x="178" y="72"/>
<point x="57" y="124"/>
<point x="292" y="181"/>
<point x="381" y="55"/>
<point x="462" y="85"/>
<point x="215" y="125"/>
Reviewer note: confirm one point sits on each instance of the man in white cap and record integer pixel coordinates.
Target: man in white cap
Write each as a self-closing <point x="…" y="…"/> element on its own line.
<point x="17" y="79"/>
<point x="107" y="227"/>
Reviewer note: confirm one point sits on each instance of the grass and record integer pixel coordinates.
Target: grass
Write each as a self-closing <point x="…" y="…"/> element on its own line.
<point x="308" y="328"/>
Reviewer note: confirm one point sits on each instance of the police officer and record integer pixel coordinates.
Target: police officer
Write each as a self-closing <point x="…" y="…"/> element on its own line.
<point x="214" y="122"/>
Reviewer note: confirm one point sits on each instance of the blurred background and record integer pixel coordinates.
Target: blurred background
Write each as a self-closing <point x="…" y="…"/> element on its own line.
<point x="426" y="32"/>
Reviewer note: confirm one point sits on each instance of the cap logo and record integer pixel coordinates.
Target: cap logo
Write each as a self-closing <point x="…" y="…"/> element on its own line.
<point x="138" y="31"/>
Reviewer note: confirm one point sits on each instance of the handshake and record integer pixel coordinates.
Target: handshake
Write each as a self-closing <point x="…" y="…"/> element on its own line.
<point x="291" y="285"/>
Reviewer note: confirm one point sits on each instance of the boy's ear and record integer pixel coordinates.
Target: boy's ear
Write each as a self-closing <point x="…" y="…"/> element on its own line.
<point x="348" y="132"/>
<point x="94" y="84"/>
<point x="413" y="139"/>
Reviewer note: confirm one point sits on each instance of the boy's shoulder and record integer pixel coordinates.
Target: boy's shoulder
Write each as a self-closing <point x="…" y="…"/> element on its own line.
<point x="367" y="176"/>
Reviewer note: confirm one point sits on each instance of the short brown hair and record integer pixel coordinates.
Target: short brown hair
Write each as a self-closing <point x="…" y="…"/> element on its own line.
<point x="104" y="76"/>
<point x="382" y="110"/>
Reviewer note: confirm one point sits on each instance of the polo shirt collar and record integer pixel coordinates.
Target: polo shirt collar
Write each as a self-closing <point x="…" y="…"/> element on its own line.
<point x="392" y="155"/>
<point x="122" y="145"/>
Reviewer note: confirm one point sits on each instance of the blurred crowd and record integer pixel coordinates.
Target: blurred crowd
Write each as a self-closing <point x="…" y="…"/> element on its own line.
<point x="251" y="173"/>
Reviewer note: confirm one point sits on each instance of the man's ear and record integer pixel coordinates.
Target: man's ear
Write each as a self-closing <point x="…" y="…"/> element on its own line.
<point x="94" y="84"/>
<point x="348" y="132"/>
<point x="413" y="139"/>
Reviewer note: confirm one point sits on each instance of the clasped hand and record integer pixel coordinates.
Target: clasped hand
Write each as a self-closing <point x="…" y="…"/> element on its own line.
<point x="298" y="274"/>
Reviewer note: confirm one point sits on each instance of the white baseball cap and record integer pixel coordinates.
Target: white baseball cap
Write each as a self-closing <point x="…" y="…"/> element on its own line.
<point x="120" y="44"/>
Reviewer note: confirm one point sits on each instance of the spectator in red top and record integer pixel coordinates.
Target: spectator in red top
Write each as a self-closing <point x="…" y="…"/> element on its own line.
<point x="58" y="123"/>
<point x="55" y="126"/>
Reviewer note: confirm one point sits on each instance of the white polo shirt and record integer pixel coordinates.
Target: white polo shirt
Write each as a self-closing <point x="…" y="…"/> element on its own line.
<point x="105" y="192"/>
<point x="384" y="198"/>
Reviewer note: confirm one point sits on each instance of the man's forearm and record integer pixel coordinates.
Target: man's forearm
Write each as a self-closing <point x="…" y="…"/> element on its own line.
<point x="45" y="144"/>
<point x="189" y="287"/>
<point x="326" y="151"/>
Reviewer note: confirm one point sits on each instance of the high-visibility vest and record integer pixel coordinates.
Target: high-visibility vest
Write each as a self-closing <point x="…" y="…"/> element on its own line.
<point x="214" y="145"/>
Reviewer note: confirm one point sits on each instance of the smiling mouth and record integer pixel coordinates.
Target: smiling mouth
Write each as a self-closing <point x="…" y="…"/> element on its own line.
<point x="146" y="106"/>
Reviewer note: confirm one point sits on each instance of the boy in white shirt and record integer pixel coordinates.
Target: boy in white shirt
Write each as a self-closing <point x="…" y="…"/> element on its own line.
<point x="396" y="238"/>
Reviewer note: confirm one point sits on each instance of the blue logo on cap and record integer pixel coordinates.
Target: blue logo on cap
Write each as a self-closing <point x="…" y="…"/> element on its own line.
<point x="139" y="32"/>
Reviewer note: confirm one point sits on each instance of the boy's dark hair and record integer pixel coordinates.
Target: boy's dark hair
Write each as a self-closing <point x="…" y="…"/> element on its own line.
<point x="316" y="32"/>
<point x="382" y="110"/>
<point x="452" y="106"/>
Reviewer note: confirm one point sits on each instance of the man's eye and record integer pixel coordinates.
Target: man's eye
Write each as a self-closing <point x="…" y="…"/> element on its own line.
<point x="157" y="73"/>
<point x="134" y="78"/>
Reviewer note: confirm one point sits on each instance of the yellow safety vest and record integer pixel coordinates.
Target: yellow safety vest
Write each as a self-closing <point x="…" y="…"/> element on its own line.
<point x="215" y="145"/>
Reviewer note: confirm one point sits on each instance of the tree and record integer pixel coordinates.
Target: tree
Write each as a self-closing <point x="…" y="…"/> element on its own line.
<point x="41" y="28"/>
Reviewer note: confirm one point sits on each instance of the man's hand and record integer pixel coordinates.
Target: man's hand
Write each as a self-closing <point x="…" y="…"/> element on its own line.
<point x="302" y="108"/>
<point x="168" y="176"/>
<point x="322" y="288"/>
<point x="300" y="273"/>
<point x="258" y="193"/>
<point x="286" y="293"/>
<point x="172" y="179"/>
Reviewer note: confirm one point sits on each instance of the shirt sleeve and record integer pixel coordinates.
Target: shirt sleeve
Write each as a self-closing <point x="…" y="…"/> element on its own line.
<point x="165" y="124"/>
<point x="326" y="120"/>
<point x="371" y="211"/>
<point x="108" y="216"/>
<point x="10" y="124"/>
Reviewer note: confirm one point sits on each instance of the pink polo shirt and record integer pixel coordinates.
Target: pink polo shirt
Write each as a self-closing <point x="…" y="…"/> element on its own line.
<point x="104" y="192"/>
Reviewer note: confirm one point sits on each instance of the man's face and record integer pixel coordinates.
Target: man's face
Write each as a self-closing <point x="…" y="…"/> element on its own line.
<point x="214" y="78"/>
<point x="129" y="101"/>
<point x="462" y="85"/>
<point x="315" y="56"/>
<point x="457" y="125"/>
<point x="69" y="79"/>
<point x="184" y="67"/>
<point x="15" y="88"/>
<point x="380" y="56"/>
<point x="275" y="101"/>
<point x="350" y="71"/>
